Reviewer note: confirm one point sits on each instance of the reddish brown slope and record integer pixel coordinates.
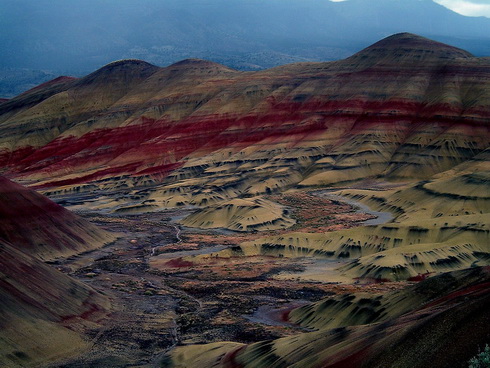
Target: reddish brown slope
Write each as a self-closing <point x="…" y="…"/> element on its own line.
<point x="42" y="228"/>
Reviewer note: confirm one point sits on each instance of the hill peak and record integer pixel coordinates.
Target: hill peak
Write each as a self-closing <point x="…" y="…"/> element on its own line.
<point x="410" y="40"/>
<point x="407" y="48"/>
<point x="121" y="69"/>
<point x="198" y="64"/>
<point x="126" y="63"/>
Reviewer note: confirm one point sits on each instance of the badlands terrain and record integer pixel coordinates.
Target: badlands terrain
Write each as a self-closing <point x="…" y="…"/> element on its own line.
<point x="311" y="215"/>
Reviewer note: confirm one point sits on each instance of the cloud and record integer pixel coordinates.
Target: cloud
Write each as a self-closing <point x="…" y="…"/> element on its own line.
<point x="467" y="7"/>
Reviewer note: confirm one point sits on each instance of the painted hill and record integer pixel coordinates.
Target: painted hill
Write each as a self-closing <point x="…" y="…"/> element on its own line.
<point x="42" y="228"/>
<point x="406" y="107"/>
<point x="42" y="311"/>
<point x="402" y="125"/>
<point x="405" y="110"/>
<point x="36" y="300"/>
<point x="437" y="322"/>
<point x="241" y="215"/>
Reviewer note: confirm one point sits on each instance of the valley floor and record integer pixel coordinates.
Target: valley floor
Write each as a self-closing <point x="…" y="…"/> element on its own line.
<point x="162" y="300"/>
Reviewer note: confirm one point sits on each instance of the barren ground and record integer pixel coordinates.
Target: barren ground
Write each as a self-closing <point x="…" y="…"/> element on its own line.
<point x="173" y="301"/>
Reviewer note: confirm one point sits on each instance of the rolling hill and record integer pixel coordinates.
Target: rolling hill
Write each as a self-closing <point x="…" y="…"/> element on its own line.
<point x="437" y="322"/>
<point x="42" y="228"/>
<point x="36" y="299"/>
<point x="406" y="107"/>
<point x="405" y="110"/>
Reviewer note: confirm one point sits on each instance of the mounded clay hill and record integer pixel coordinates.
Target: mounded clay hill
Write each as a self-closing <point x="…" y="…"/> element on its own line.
<point x="43" y="311"/>
<point x="405" y="110"/>
<point x="432" y="323"/>
<point x="42" y="228"/>
<point x="402" y="126"/>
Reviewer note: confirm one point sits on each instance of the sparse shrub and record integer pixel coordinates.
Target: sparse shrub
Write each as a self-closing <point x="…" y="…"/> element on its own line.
<point x="481" y="360"/>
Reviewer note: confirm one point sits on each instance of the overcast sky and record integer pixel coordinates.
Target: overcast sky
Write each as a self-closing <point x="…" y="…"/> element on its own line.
<point x="475" y="8"/>
<point x="468" y="7"/>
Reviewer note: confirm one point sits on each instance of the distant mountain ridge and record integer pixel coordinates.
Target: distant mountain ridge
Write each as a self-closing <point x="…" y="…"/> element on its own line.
<point x="248" y="35"/>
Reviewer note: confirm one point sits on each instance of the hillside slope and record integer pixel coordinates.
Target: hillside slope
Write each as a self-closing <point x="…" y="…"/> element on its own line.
<point x="405" y="108"/>
<point x="439" y="322"/>
<point x="408" y="110"/>
<point x="43" y="312"/>
<point x="42" y="228"/>
<point x="403" y="126"/>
